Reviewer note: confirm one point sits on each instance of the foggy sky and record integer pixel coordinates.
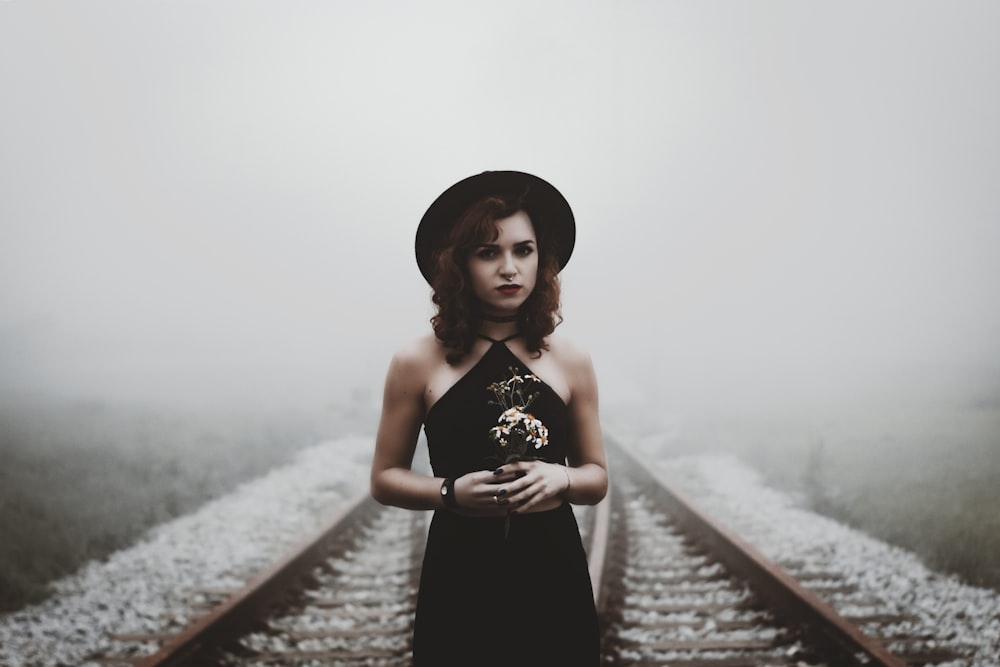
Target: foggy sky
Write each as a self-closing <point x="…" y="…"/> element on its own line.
<point x="776" y="201"/>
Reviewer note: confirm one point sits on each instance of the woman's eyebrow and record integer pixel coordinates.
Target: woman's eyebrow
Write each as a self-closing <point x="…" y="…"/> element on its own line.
<point x="496" y="246"/>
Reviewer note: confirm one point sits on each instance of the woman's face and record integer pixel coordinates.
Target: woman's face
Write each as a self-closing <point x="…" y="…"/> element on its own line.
<point x="503" y="272"/>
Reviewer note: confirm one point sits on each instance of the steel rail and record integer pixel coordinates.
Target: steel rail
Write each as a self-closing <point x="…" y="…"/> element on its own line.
<point x="598" y="551"/>
<point x="242" y="607"/>
<point x="790" y="600"/>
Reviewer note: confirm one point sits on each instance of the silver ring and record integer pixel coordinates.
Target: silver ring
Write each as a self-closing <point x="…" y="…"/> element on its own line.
<point x="495" y="499"/>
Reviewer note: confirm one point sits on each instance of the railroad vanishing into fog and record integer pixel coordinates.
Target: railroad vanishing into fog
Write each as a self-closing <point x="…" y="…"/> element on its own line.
<point x="672" y="585"/>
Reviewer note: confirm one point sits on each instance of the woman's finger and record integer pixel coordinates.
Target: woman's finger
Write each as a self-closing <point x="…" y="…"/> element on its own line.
<point x="544" y="484"/>
<point x="503" y="474"/>
<point x="517" y="486"/>
<point x="530" y="498"/>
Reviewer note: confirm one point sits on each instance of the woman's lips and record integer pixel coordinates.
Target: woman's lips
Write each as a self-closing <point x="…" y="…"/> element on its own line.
<point x="509" y="290"/>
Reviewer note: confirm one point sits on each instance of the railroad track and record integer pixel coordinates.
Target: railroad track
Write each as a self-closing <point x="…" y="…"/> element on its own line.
<point x="680" y="589"/>
<point x="672" y="587"/>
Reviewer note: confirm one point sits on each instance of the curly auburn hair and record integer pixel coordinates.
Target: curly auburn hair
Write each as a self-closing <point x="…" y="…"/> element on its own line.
<point x="458" y="317"/>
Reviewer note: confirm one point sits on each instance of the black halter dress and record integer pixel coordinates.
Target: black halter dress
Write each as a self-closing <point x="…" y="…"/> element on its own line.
<point x="486" y="599"/>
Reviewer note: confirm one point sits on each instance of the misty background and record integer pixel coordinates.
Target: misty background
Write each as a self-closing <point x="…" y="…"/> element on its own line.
<point x="780" y="205"/>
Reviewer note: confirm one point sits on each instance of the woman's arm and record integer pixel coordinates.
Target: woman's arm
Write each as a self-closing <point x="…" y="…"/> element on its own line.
<point x="587" y="466"/>
<point x="392" y="480"/>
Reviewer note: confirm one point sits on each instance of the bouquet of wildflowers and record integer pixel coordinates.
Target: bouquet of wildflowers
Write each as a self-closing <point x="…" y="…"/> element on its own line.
<point x="517" y="431"/>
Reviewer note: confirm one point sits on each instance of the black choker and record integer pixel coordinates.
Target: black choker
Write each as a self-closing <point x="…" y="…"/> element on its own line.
<point x="504" y="318"/>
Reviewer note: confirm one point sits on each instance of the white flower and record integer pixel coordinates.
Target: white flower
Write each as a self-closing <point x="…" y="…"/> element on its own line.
<point x="523" y="427"/>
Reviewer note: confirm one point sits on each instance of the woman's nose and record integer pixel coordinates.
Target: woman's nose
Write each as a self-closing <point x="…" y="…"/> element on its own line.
<point x="508" y="268"/>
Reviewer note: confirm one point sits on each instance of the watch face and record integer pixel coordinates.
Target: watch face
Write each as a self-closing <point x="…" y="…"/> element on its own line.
<point x="444" y="490"/>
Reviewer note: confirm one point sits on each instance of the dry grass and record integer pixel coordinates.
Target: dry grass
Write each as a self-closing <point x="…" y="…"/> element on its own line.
<point x="922" y="477"/>
<point x="932" y="491"/>
<point x="81" y="480"/>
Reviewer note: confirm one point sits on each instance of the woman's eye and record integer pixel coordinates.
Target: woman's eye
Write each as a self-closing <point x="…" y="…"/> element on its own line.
<point x="486" y="253"/>
<point x="525" y="250"/>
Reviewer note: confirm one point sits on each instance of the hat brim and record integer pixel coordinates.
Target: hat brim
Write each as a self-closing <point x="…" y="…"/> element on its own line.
<point x="544" y="204"/>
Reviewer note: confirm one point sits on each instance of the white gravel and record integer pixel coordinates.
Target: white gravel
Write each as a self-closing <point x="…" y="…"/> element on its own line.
<point x="148" y="588"/>
<point x="962" y="618"/>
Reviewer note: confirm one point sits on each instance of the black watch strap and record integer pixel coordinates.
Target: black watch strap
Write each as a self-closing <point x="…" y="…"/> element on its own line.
<point x="448" y="493"/>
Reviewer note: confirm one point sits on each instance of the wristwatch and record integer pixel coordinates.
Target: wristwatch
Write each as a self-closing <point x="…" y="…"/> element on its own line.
<point x="448" y="493"/>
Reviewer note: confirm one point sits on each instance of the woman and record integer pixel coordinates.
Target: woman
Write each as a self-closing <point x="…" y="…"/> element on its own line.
<point x="504" y="577"/>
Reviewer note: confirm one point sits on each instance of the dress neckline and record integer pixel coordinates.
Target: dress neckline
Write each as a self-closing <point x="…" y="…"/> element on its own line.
<point x="500" y="349"/>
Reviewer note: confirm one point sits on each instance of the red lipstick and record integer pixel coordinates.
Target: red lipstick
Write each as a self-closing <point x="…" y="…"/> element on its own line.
<point x="509" y="290"/>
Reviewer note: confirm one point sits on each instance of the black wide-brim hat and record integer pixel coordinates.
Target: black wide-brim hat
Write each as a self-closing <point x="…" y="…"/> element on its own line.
<point x="544" y="205"/>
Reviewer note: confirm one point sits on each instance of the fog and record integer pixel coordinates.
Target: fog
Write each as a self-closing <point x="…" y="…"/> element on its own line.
<point x="779" y="204"/>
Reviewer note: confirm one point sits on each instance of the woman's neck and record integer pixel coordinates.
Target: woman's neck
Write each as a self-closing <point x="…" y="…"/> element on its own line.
<point x="498" y="330"/>
<point x="512" y="317"/>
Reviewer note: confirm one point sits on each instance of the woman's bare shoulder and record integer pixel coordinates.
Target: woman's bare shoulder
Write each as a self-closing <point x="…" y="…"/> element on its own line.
<point x="577" y="367"/>
<point x="417" y="348"/>
<point x="568" y="353"/>
<point x="418" y="355"/>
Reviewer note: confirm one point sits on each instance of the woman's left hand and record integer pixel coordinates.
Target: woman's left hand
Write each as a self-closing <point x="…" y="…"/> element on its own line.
<point x="540" y="481"/>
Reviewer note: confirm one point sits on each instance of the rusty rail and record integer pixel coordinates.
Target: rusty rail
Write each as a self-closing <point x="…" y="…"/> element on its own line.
<point x="242" y="607"/>
<point x="597" y="554"/>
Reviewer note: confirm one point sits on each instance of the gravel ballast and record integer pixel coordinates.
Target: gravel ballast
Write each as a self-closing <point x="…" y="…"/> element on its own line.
<point x="149" y="588"/>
